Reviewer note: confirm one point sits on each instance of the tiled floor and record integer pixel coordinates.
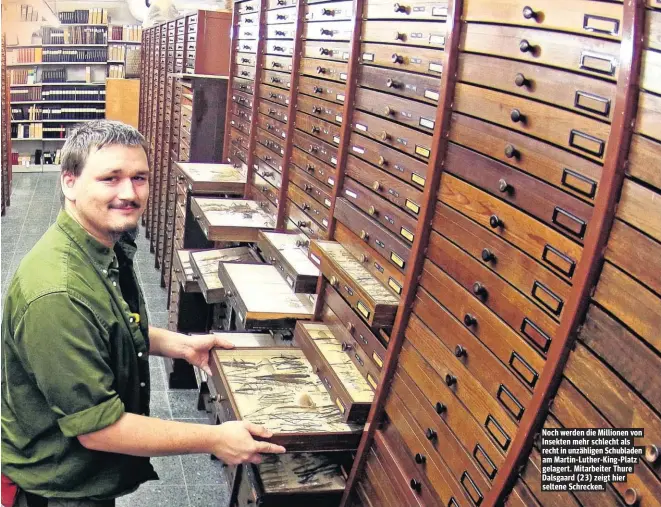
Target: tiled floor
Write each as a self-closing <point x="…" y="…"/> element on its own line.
<point x="193" y="480"/>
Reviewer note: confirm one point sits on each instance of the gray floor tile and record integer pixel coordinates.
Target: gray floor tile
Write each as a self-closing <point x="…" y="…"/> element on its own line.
<point x="149" y="274"/>
<point x="159" y="405"/>
<point x="183" y="404"/>
<point x="153" y="494"/>
<point x="156" y="295"/>
<point x="157" y="319"/>
<point x="208" y="496"/>
<point x="201" y="469"/>
<point x="155" y="361"/>
<point x="157" y="377"/>
<point x="169" y="470"/>
<point x="31" y="228"/>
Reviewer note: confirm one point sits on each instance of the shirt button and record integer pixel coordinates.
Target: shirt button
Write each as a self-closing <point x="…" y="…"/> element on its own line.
<point x="139" y="354"/>
<point x="114" y="284"/>
<point x="105" y="271"/>
<point x="142" y="384"/>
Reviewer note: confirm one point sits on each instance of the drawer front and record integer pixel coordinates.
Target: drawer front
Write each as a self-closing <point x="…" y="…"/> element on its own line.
<point x="244" y="72"/>
<point x="561" y="211"/>
<point x="336" y="11"/>
<point x="268" y="156"/>
<point x="244" y="85"/>
<point x="243" y="99"/>
<point x="273" y="143"/>
<point x="276" y="95"/>
<point x="408" y="112"/>
<point x="327" y="50"/>
<point x="580" y="93"/>
<point x="413" y="142"/>
<point x="311" y="207"/>
<point x="310" y="185"/>
<point x="416" y="9"/>
<point x="265" y="188"/>
<point x="272" y="126"/>
<point x="275" y="32"/>
<point x="279" y="47"/>
<point x="327" y="90"/>
<point x="246" y="46"/>
<point x="648" y="122"/>
<point x="392" y="189"/>
<point x="240" y="124"/>
<point x="380" y="239"/>
<point x="586" y="55"/>
<point x="548" y="247"/>
<point x="320" y="108"/>
<point x="328" y="30"/>
<point x="279" y="63"/>
<point x="394" y="219"/>
<point x="424" y="88"/>
<point x="316" y="168"/>
<point x="246" y="59"/>
<point x="247" y="7"/>
<point x="582" y="17"/>
<point x="273" y="111"/>
<point x="268" y="173"/>
<point x="582" y="135"/>
<point x="248" y="32"/>
<point x="325" y="69"/>
<point x="560" y="168"/>
<point x="416" y="33"/>
<point x="303" y="222"/>
<point x="278" y="16"/>
<point x="402" y="166"/>
<point x="278" y="79"/>
<point x="248" y="20"/>
<point x="237" y="138"/>
<point x="316" y="148"/>
<point x="279" y="4"/>
<point x="236" y="153"/>
<point x="237" y="163"/>
<point x="328" y="132"/>
<point x="240" y="112"/>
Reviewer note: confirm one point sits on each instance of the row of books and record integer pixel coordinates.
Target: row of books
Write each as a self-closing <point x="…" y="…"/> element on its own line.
<point x="23" y="94"/>
<point x="24" y="55"/>
<point x="50" y="157"/>
<point x="95" y="16"/>
<point x="74" y="35"/>
<point x="73" y="113"/>
<point x="27" y="130"/>
<point x="117" y="52"/>
<point x="75" y="55"/>
<point x="28" y="13"/>
<point x="82" y="95"/>
<point x="126" y="33"/>
<point x="116" y="72"/>
<point x="22" y="76"/>
<point x="60" y="132"/>
<point x="30" y="113"/>
<point x="60" y="75"/>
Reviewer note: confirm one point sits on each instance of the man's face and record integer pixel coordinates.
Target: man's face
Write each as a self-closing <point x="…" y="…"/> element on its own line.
<point x="110" y="194"/>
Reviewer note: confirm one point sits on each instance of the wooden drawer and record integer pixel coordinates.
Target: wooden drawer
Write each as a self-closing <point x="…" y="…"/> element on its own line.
<point x="276" y="32"/>
<point x="272" y="126"/>
<point x="335" y="11"/>
<point x="648" y="123"/>
<point x="321" y="88"/>
<point x="247" y="7"/>
<point x="564" y="170"/>
<point x="335" y="71"/>
<point x="238" y="164"/>
<point x="416" y="9"/>
<point x="240" y="124"/>
<point x="268" y="173"/>
<point x="310" y="185"/>
<point x="244" y="85"/>
<point x="248" y="20"/>
<point x="237" y="153"/>
<point x="343" y="381"/>
<point x="246" y="59"/>
<point x="327" y="50"/>
<point x="245" y="72"/>
<point x="279" y="4"/>
<point x="184" y="152"/>
<point x="246" y="46"/>
<point x="317" y="169"/>
<point x="240" y="140"/>
<point x="269" y="157"/>
<point x="303" y="222"/>
<point x="586" y="55"/>
<point x="248" y="32"/>
<point x="316" y="148"/>
<point x="328" y="30"/>
<point x="373" y="302"/>
<point x="530" y="277"/>
<point x="580" y="93"/>
<point x="274" y="111"/>
<point x="278" y="79"/>
<point x="394" y="219"/>
<point x="372" y="233"/>
<point x="642" y="158"/>
<point x="230" y="219"/>
<point x="410" y="141"/>
<point x="553" y="250"/>
<point x="279" y="63"/>
<point x="408" y="112"/>
<point x="312" y="208"/>
<point x="285" y="251"/>
<point x="324" y="130"/>
<point x="276" y="95"/>
<point x="279" y="47"/>
<point x="243" y="99"/>
<point x="265" y="188"/>
<point x="405" y="84"/>
<point x="279" y="16"/>
<point x="596" y="19"/>
<point x="273" y="143"/>
<point x="639" y="206"/>
<point x="402" y="166"/>
<point x="392" y="189"/>
<point x="320" y="109"/>
<point x="561" y="211"/>
<point x="416" y="33"/>
<point x="241" y="112"/>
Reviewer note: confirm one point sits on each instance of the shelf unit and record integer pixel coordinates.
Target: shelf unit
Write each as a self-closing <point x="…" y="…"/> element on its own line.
<point x="55" y="63"/>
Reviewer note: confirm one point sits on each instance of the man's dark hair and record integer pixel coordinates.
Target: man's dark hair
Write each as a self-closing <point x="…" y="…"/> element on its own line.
<point x="94" y="135"/>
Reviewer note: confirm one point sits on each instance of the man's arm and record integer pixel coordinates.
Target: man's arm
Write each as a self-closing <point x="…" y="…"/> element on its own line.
<point x="138" y="435"/>
<point x="166" y="343"/>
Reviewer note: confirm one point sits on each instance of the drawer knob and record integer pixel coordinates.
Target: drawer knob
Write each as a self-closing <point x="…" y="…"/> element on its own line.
<point x="324" y="51"/>
<point x="459" y="351"/>
<point x="325" y="31"/>
<point x="526" y="47"/>
<point x="440" y="408"/>
<point x="228" y="293"/>
<point x="504" y="187"/>
<point x="313" y="149"/>
<point x="372" y="211"/>
<point x="177" y="270"/>
<point x="495" y="222"/>
<point x="384" y="136"/>
<point x="268" y="174"/>
<point x="479" y="289"/>
<point x="275" y="79"/>
<point x="264" y="188"/>
<point x="281" y="33"/>
<point x="363" y="258"/>
<point x="318" y="89"/>
<point x="346" y="346"/>
<point x="281" y="16"/>
<point x="305" y="206"/>
<point x="470" y="320"/>
<point x="245" y="60"/>
<point x="520" y="80"/>
<point x="376" y="186"/>
<point x="511" y="152"/>
<point x="398" y="36"/>
<point x="269" y="126"/>
<point x="388" y="110"/>
<point x="517" y="116"/>
<point x="314" y="129"/>
<point x="275" y="64"/>
<point x="327" y="12"/>
<point x="390" y="83"/>
<point x="400" y="8"/>
<point x="273" y="95"/>
<point x="350" y="327"/>
<point x="529" y="13"/>
<point x="278" y="48"/>
<point x="651" y="453"/>
<point x="307" y="188"/>
<point x="320" y="70"/>
<point x="364" y="235"/>
<point x="316" y="109"/>
<point x="395" y="58"/>
<point x="334" y="281"/>
<point x="416" y="485"/>
<point x="309" y="168"/>
<point x="431" y="434"/>
<point x="631" y="496"/>
<point x="303" y="223"/>
<point x="280" y="2"/>
<point x="488" y="255"/>
<point x="450" y="380"/>
<point x="420" y="458"/>
<point x="382" y="161"/>
<point x="197" y="217"/>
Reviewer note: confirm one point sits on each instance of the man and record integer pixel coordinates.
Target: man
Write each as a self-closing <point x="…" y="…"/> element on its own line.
<point x="76" y="343"/>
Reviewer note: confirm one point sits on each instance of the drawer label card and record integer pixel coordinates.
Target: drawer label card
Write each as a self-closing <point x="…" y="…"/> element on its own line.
<point x="333" y="161"/>
<point x="343" y="76"/>
<point x="429" y="94"/>
<point x="394" y="286"/>
<point x="340" y="405"/>
<point x="338" y="119"/>
<point x="439" y="11"/>
<point x="424" y="122"/>
<point x="327" y="202"/>
<point x="377" y="360"/>
<point x="363" y="310"/>
<point x="397" y="259"/>
<point x="290" y="281"/>
<point x="418" y="179"/>
<point x="371" y="381"/>
<point x="597" y="63"/>
<point x="417" y="35"/>
<point x="601" y="24"/>
<point x="336" y="139"/>
<point x="345" y="56"/>
<point x="351" y="194"/>
<point x="406" y="234"/>
<point x="315" y="259"/>
<point x="331" y="181"/>
<point x="437" y="39"/>
<point x="368" y="57"/>
<point x="412" y="206"/>
<point x="362" y="127"/>
<point x="435" y="67"/>
<point x="358" y="149"/>
<point x="325" y="222"/>
<point x="340" y="97"/>
<point x="423" y="152"/>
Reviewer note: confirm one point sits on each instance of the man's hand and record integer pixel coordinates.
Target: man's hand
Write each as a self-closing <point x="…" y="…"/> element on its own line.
<point x="236" y="445"/>
<point x="197" y="348"/>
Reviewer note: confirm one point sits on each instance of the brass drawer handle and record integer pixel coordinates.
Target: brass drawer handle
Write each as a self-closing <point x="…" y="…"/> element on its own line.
<point x="495" y="222"/>
<point x="431" y="434"/>
<point x="278" y="48"/>
<point x="307" y="187"/>
<point x="313" y="149"/>
<point x="517" y="116"/>
<point x="460" y="351"/>
<point x="302" y="243"/>
<point x="334" y="281"/>
<point x="420" y="458"/>
<point x="520" y="80"/>
<point x="281" y="33"/>
<point x="398" y="36"/>
<point x="309" y="168"/>
<point x="450" y="380"/>
<point x="316" y="109"/>
<point x="391" y="83"/>
<point x="364" y="235"/>
<point x="276" y="64"/>
<point x="388" y="111"/>
<point x="321" y="70"/>
<point x="280" y="16"/>
<point x="631" y="496"/>
<point x="350" y="327"/>
<point x="325" y="31"/>
<point x="324" y="51"/>
<point x="372" y="211"/>
<point x="400" y="8"/>
<point x="651" y="453"/>
<point x="526" y="47"/>
<point x="480" y="290"/>
<point x="363" y="258"/>
<point x="245" y="60"/>
<point x="416" y="485"/>
<point x="376" y="186"/>
<point x="395" y="58"/>
<point x="346" y="346"/>
<point x="384" y="136"/>
<point x="314" y="129"/>
<point x="488" y="255"/>
<point x="327" y="12"/>
<point x="504" y="187"/>
<point x="275" y="79"/>
<point x="382" y="161"/>
<point x="440" y="408"/>
<point x="529" y="13"/>
<point x="470" y="320"/>
<point x="318" y="89"/>
<point x="512" y="152"/>
<point x="303" y="223"/>
<point x="305" y="206"/>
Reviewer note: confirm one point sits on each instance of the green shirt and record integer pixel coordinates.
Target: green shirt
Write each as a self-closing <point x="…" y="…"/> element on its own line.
<point x="75" y="357"/>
